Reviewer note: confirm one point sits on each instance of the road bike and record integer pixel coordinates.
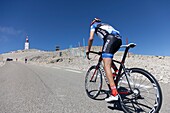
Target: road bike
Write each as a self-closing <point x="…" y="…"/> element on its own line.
<point x="138" y="89"/>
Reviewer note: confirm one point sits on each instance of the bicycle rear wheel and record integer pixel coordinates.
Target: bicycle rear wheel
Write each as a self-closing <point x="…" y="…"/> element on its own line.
<point x="146" y="94"/>
<point x="93" y="82"/>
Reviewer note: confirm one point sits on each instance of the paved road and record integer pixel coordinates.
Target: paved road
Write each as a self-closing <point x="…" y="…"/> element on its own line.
<point x="26" y="88"/>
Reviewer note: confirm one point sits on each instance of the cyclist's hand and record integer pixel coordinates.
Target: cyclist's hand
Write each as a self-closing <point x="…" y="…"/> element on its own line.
<point x="87" y="55"/>
<point x="100" y="52"/>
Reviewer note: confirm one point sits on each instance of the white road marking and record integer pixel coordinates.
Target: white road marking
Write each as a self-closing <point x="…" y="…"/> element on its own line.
<point x="73" y="71"/>
<point x="56" y="67"/>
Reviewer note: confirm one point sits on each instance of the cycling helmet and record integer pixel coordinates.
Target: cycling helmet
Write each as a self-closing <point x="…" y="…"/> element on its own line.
<point x="95" y="20"/>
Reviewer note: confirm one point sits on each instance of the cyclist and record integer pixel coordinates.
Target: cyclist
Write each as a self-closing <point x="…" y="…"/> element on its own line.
<point x="112" y="43"/>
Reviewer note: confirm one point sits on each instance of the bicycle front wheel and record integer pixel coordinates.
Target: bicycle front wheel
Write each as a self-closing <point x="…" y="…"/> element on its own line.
<point x="93" y="82"/>
<point x="145" y="93"/>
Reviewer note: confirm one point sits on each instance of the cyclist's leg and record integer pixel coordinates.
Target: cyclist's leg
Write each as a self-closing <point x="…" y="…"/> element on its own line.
<point x="107" y="67"/>
<point x="109" y="48"/>
<point x="115" y="47"/>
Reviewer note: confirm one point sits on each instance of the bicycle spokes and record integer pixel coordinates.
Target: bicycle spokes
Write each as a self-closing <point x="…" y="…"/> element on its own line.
<point x="93" y="82"/>
<point x="144" y="94"/>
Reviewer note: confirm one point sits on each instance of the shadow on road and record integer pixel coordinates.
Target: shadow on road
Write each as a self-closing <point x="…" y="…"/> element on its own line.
<point x="115" y="105"/>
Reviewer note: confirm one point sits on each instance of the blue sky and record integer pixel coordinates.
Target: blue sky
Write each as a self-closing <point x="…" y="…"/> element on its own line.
<point x="66" y="22"/>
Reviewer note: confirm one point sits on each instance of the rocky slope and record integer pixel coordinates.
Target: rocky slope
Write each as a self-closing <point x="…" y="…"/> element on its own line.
<point x="74" y="58"/>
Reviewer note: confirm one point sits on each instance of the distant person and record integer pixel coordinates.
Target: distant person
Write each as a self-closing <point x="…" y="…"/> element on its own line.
<point x="25" y="60"/>
<point x="112" y="42"/>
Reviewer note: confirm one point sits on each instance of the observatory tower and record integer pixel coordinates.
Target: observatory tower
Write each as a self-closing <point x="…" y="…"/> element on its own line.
<point x="26" y="43"/>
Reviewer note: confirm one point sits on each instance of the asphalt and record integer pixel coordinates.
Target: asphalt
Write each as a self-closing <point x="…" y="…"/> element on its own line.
<point x="26" y="88"/>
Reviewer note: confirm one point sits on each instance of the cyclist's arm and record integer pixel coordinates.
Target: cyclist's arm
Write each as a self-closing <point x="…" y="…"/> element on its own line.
<point x="90" y="41"/>
<point x="101" y="49"/>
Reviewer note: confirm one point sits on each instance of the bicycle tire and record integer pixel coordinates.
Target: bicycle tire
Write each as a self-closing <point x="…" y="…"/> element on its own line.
<point x="146" y="84"/>
<point x="94" y="91"/>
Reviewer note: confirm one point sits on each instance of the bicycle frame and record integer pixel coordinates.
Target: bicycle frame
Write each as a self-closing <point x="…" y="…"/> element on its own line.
<point x="122" y="67"/>
<point x="130" y="88"/>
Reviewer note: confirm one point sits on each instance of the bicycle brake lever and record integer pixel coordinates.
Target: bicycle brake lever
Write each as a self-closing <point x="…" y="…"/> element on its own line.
<point x="87" y="55"/>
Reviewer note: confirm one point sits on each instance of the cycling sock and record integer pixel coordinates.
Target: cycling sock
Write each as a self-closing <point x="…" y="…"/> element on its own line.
<point x="114" y="90"/>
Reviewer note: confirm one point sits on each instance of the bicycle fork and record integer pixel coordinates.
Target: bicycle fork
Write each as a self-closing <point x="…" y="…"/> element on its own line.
<point x="97" y="67"/>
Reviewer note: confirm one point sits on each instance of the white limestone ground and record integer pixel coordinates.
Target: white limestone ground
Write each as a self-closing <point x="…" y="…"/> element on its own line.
<point x="74" y="58"/>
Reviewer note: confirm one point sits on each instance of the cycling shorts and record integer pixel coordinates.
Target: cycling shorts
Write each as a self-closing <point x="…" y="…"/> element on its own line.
<point x="111" y="45"/>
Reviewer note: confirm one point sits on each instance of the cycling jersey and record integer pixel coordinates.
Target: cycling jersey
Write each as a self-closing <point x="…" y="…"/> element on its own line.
<point x="110" y="36"/>
<point x="102" y="29"/>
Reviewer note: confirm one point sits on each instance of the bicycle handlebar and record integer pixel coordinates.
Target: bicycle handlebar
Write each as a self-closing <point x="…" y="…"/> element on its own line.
<point x="87" y="54"/>
<point x="98" y="53"/>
